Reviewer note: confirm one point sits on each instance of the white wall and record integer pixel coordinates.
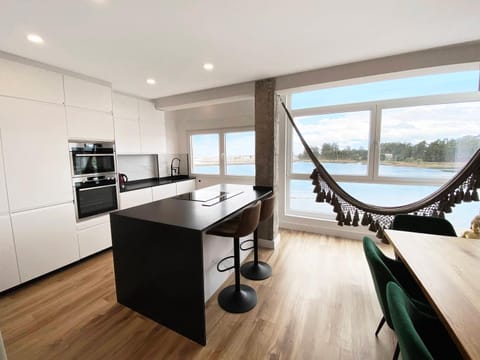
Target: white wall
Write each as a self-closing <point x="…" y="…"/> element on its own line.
<point x="220" y="116"/>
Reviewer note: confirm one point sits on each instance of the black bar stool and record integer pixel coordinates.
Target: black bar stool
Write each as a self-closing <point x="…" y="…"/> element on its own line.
<point x="237" y="298"/>
<point x="258" y="270"/>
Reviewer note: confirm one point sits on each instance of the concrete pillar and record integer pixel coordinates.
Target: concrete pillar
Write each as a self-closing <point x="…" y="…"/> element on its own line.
<point x="266" y="150"/>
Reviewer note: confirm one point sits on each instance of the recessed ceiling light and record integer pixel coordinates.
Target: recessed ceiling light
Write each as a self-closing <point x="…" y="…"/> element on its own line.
<point x="151" y="81"/>
<point x="34" y="38"/>
<point x="208" y="66"/>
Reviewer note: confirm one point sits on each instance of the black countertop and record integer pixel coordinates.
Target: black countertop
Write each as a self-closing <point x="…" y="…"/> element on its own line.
<point x="145" y="183"/>
<point x="197" y="215"/>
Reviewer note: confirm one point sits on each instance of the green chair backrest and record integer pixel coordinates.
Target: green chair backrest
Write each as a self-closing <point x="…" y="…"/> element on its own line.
<point x="381" y="275"/>
<point x="423" y="224"/>
<point x="403" y="314"/>
<point x="421" y="335"/>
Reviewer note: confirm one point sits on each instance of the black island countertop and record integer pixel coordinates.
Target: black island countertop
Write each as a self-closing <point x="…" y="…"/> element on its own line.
<point x="145" y="183"/>
<point x="181" y="212"/>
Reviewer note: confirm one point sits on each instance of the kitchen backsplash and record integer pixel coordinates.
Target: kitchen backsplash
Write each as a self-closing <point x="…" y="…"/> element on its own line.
<point x="165" y="161"/>
<point x="138" y="167"/>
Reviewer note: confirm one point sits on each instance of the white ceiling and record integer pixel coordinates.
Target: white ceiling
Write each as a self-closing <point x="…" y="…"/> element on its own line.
<point x="126" y="41"/>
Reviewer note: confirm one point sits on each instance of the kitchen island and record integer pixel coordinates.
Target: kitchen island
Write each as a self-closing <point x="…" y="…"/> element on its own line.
<point x="158" y="253"/>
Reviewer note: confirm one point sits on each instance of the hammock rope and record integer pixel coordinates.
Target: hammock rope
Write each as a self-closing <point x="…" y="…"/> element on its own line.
<point x="352" y="212"/>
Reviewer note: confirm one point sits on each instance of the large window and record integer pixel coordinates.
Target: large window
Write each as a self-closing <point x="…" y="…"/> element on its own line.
<point x="389" y="142"/>
<point x="223" y="152"/>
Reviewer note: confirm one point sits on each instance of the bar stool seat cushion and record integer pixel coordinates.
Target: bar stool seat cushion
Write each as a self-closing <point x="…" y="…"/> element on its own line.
<point x="227" y="228"/>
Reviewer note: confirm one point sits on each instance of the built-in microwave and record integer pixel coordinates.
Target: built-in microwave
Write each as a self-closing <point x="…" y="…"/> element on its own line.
<point x="92" y="159"/>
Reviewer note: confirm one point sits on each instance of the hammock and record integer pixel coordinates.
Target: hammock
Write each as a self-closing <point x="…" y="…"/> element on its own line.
<point x="461" y="188"/>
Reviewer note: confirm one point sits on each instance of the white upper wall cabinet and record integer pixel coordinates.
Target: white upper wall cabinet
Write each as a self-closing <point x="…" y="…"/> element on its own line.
<point x="89" y="124"/>
<point x="152" y="128"/>
<point x="3" y="186"/>
<point x="30" y="82"/>
<point x="87" y="95"/>
<point x="127" y="136"/>
<point x="125" y="106"/>
<point x="36" y="156"/>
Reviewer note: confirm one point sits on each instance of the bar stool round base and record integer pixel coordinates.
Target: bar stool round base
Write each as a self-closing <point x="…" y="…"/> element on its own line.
<point x="237" y="301"/>
<point x="252" y="271"/>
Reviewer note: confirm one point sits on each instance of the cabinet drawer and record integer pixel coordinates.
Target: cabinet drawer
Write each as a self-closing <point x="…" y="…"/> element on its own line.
<point x="164" y="191"/>
<point x="135" y="198"/>
<point x="185" y="186"/>
<point x="94" y="239"/>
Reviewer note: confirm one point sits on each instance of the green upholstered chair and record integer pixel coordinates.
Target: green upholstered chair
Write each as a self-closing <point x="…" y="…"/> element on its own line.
<point x="421" y="335"/>
<point x="384" y="270"/>
<point x="423" y="224"/>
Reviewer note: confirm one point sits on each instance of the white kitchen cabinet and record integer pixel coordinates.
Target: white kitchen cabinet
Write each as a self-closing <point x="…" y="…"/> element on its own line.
<point x="30" y="82"/>
<point x="125" y="106"/>
<point x="164" y="191"/>
<point x="185" y="186"/>
<point x="45" y="239"/>
<point x="127" y="136"/>
<point x="36" y="156"/>
<point x="135" y="197"/>
<point x="3" y="187"/>
<point x="9" y="276"/>
<point x="94" y="235"/>
<point x="152" y="128"/>
<point x="85" y="124"/>
<point x="87" y="95"/>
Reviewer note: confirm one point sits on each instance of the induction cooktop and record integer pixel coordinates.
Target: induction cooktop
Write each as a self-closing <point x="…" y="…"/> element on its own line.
<point x="208" y="197"/>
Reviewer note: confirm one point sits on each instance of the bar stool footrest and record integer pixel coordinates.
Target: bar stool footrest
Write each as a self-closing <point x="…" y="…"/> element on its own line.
<point x="253" y="271"/>
<point x="245" y="241"/>
<point x="225" y="259"/>
<point x="237" y="302"/>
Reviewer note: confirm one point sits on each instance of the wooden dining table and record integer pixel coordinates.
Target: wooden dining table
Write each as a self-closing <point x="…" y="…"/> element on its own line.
<point x="448" y="272"/>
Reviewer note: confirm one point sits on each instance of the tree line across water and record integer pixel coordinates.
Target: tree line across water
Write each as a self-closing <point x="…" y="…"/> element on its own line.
<point x="446" y="150"/>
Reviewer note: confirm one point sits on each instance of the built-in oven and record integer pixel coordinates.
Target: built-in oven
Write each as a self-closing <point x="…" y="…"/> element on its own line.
<point x="95" y="195"/>
<point x="92" y="158"/>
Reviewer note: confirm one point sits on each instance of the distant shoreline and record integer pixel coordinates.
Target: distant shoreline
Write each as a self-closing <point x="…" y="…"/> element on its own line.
<point x="421" y="164"/>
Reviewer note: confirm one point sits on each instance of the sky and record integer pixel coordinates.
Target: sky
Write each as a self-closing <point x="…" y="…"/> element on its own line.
<point x="411" y="124"/>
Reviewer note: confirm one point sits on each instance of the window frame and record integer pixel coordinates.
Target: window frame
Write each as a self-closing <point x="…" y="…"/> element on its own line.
<point x="372" y="177"/>
<point x="222" y="149"/>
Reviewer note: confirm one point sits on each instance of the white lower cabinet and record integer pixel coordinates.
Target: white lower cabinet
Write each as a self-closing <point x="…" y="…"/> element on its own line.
<point x="135" y="198"/>
<point x="9" y="276"/>
<point x="185" y="186"/>
<point x="44" y="239"/>
<point x="164" y="191"/>
<point x="94" y="235"/>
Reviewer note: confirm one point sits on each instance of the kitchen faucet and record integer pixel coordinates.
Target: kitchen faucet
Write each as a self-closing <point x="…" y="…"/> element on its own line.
<point x="175" y="170"/>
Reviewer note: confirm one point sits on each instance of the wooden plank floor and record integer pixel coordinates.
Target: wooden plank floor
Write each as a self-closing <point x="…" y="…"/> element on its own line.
<point x="320" y="304"/>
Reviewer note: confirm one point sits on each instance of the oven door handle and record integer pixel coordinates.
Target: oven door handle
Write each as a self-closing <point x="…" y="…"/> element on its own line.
<point x="89" y="155"/>
<point x="97" y="187"/>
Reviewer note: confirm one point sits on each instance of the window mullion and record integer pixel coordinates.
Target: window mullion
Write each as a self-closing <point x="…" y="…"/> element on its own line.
<point x="223" y="169"/>
<point x="376" y="128"/>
